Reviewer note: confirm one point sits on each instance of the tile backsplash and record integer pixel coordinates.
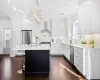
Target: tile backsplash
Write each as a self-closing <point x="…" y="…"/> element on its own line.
<point x="87" y="38"/>
<point x="95" y="37"/>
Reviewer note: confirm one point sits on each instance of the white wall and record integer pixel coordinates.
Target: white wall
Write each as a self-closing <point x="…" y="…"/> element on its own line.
<point x="58" y="27"/>
<point x="22" y="23"/>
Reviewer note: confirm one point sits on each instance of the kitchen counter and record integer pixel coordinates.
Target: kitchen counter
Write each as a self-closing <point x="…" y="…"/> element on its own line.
<point x="20" y="49"/>
<point x="32" y="47"/>
<point x="81" y="46"/>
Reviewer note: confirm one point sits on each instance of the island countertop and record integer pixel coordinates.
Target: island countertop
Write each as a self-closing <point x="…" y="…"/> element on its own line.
<point x="32" y="47"/>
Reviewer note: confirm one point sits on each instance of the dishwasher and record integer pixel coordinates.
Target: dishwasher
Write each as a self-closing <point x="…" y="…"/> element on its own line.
<point x="71" y="54"/>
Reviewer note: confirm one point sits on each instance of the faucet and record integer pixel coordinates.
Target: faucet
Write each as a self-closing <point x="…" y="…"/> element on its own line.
<point x="36" y="41"/>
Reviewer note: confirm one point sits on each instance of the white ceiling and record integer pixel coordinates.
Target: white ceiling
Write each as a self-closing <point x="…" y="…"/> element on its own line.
<point x="50" y="8"/>
<point x="54" y="8"/>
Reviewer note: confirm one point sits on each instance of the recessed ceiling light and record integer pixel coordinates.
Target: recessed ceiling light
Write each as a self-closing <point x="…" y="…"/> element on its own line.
<point x="9" y="1"/>
<point x="69" y="2"/>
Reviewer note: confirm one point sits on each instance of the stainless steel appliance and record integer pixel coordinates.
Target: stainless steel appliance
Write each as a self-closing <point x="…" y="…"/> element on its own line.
<point x="46" y="30"/>
<point x="71" y="54"/>
<point x="26" y="36"/>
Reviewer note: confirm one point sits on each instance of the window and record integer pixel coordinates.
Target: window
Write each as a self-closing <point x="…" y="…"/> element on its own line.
<point x="76" y="34"/>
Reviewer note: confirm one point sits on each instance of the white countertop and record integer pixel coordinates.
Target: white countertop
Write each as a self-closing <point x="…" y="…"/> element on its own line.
<point x="81" y="46"/>
<point x="32" y="47"/>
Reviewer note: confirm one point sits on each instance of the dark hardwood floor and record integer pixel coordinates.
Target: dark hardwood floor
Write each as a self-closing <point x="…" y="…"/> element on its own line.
<point x="10" y="66"/>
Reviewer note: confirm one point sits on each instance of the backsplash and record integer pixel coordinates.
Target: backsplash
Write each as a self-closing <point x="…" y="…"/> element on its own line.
<point x="87" y="38"/>
<point x="95" y="37"/>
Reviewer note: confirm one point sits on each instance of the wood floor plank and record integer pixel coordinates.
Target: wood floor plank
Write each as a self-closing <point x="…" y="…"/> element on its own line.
<point x="10" y="66"/>
<point x="70" y="71"/>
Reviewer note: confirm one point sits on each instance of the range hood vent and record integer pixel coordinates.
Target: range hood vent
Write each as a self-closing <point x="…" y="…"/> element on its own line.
<point x="45" y="30"/>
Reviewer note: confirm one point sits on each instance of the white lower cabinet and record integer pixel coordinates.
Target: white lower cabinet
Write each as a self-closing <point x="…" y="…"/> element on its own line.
<point x="56" y="49"/>
<point x="78" y="58"/>
<point x="66" y="51"/>
<point x="1" y="50"/>
<point x="67" y="54"/>
<point x="87" y="61"/>
<point x="94" y="64"/>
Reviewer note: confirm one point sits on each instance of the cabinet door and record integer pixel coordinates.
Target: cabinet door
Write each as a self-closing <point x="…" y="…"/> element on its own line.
<point x="1" y="50"/>
<point x="66" y="51"/>
<point x="95" y="64"/>
<point x="35" y="63"/>
<point x="68" y="54"/>
<point x="58" y="28"/>
<point x="78" y="59"/>
<point x="96" y="16"/>
<point x="56" y="48"/>
<point x="86" y="17"/>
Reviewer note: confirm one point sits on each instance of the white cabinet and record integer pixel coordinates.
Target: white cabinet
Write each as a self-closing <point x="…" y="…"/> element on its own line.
<point x="1" y="50"/>
<point x="87" y="61"/>
<point x="56" y="49"/>
<point x="78" y="58"/>
<point x="96" y="16"/>
<point x="66" y="51"/>
<point x="58" y="28"/>
<point x="85" y="15"/>
<point x="94" y="61"/>
<point x="89" y="17"/>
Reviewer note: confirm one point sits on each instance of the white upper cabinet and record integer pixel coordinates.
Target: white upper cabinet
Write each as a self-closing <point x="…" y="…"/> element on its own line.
<point x="58" y="28"/>
<point x="96" y="16"/>
<point x="89" y="17"/>
<point x="85" y="17"/>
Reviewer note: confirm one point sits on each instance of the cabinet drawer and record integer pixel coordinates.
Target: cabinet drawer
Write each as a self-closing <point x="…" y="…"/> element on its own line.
<point x="78" y="51"/>
<point x="78" y="60"/>
<point x="80" y="68"/>
<point x="77" y="66"/>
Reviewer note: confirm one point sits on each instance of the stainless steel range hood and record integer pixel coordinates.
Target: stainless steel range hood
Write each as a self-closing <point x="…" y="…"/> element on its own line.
<point x="45" y="30"/>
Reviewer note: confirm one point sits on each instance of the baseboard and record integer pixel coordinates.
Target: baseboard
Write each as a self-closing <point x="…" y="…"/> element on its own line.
<point x="5" y="54"/>
<point x="68" y="61"/>
<point x="57" y="55"/>
<point x="76" y="70"/>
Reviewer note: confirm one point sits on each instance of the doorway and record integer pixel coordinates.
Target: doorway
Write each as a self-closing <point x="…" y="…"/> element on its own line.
<point x="6" y="40"/>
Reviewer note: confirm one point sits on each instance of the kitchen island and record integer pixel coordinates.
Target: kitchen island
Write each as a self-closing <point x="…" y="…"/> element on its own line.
<point x="20" y="49"/>
<point x="37" y="61"/>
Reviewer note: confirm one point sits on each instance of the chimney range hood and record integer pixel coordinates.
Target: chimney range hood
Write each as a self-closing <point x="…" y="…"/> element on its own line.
<point x="45" y="30"/>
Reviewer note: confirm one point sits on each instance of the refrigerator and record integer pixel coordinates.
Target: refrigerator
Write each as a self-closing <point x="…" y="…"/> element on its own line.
<point x="26" y="37"/>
